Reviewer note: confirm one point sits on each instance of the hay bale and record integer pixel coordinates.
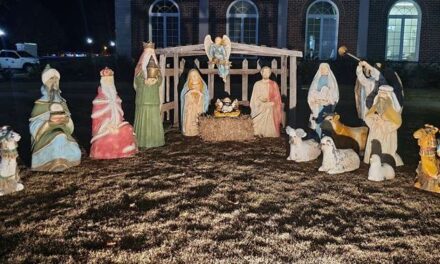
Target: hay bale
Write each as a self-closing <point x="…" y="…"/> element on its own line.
<point x="226" y="128"/>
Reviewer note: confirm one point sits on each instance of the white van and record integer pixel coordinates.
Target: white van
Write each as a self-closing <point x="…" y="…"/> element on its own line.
<point x="18" y="60"/>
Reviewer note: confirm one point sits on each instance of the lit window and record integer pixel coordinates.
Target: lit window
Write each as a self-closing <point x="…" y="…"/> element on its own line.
<point x="403" y="32"/>
<point x="242" y="17"/>
<point x="322" y="30"/>
<point x="164" y="25"/>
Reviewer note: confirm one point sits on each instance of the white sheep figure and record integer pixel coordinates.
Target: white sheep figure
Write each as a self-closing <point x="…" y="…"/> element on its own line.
<point x="302" y="150"/>
<point x="335" y="160"/>
<point x="379" y="171"/>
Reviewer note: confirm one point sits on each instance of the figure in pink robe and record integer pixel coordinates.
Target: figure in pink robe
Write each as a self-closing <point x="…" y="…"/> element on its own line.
<point x="112" y="136"/>
<point x="266" y="106"/>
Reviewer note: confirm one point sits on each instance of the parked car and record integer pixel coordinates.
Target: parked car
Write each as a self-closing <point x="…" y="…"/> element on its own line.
<point x="18" y="60"/>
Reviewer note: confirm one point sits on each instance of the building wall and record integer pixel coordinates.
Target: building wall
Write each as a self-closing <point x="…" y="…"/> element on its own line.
<point x="296" y="21"/>
<point x="267" y="19"/>
<point x="429" y="35"/>
<point x="189" y="22"/>
<point x="348" y="23"/>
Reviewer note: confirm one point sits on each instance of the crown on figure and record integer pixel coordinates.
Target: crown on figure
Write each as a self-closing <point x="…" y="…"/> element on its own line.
<point x="106" y="72"/>
<point x="148" y="44"/>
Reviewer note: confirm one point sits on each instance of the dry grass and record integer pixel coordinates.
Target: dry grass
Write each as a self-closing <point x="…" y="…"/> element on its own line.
<point x="214" y="129"/>
<point x="195" y="202"/>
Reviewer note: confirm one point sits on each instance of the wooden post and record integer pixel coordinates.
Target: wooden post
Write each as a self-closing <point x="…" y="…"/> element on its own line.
<point x="274" y="67"/>
<point x="197" y="63"/>
<point x="244" y="82"/>
<point x="162" y="63"/>
<point x="284" y="76"/>
<point x="292" y="95"/>
<point x="228" y="84"/>
<point x="181" y="66"/>
<point x="167" y="89"/>
<point x="211" y="81"/>
<point x="176" y="92"/>
<point x="292" y="91"/>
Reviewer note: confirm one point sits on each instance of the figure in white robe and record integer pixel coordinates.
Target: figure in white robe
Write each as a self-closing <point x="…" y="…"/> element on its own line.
<point x="368" y="79"/>
<point x="384" y="119"/>
<point x="322" y="97"/>
<point x="266" y="106"/>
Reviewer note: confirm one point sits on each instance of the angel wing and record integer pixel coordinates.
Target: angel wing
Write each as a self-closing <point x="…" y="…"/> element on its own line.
<point x="208" y="42"/>
<point x="227" y="45"/>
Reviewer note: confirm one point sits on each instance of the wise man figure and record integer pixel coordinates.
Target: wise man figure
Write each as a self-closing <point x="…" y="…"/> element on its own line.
<point x="112" y="136"/>
<point x="367" y="85"/>
<point x="266" y="106"/>
<point x="194" y="102"/>
<point x="384" y="119"/>
<point x="322" y="97"/>
<point x="147" y="83"/>
<point x="51" y="128"/>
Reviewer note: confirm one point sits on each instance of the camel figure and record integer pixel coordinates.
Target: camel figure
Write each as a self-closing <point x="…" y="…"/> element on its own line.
<point x="428" y="176"/>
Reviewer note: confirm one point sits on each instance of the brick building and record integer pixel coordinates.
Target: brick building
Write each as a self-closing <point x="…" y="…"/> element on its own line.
<point x="396" y="30"/>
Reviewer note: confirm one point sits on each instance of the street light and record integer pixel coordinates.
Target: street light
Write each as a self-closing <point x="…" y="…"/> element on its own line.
<point x="2" y="33"/>
<point x="112" y="43"/>
<point x="89" y="41"/>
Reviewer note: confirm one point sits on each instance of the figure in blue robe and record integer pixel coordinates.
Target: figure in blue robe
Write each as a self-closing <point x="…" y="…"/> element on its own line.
<point x="51" y="128"/>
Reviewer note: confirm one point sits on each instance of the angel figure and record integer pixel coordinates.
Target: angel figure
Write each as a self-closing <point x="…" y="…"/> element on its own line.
<point x="218" y="53"/>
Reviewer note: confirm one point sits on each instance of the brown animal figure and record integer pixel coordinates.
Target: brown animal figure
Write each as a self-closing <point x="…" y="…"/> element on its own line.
<point x="341" y="132"/>
<point x="428" y="170"/>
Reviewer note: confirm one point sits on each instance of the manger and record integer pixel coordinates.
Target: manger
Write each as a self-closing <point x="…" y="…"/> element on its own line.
<point x="287" y="71"/>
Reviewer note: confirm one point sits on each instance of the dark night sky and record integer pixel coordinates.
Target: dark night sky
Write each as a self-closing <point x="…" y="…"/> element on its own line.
<point x="58" y="25"/>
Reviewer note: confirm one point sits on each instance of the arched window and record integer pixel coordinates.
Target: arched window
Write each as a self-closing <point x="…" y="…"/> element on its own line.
<point x="242" y="20"/>
<point x="403" y="31"/>
<point x="164" y="26"/>
<point x="322" y="30"/>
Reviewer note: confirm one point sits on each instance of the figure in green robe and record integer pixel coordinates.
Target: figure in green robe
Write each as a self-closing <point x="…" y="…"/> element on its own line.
<point x="51" y="127"/>
<point x="147" y="82"/>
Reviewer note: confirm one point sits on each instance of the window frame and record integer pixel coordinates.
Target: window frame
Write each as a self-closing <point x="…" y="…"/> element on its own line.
<point x="320" y="16"/>
<point x="402" y="19"/>
<point x="242" y="18"/>
<point x="164" y="17"/>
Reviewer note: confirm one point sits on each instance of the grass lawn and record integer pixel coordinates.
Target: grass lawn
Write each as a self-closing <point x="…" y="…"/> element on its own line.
<point x="196" y="202"/>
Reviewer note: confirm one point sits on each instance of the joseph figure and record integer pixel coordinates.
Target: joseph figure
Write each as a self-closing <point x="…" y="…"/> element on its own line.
<point x="266" y="107"/>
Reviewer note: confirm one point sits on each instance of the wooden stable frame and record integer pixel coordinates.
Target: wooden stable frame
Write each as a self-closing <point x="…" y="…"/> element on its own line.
<point x="288" y="57"/>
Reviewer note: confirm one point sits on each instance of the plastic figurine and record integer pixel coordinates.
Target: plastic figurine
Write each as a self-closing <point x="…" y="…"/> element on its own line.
<point x="218" y="53"/>
<point x="51" y="128"/>
<point x="226" y="108"/>
<point x="302" y="150"/>
<point x="342" y="132"/>
<point x="9" y="173"/>
<point x="194" y="102"/>
<point x="112" y="136"/>
<point x="266" y="106"/>
<point x="335" y="160"/>
<point x="322" y="97"/>
<point x="428" y="171"/>
<point x="147" y="83"/>
<point x="384" y="119"/>
<point x="369" y="79"/>
<point x="379" y="171"/>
